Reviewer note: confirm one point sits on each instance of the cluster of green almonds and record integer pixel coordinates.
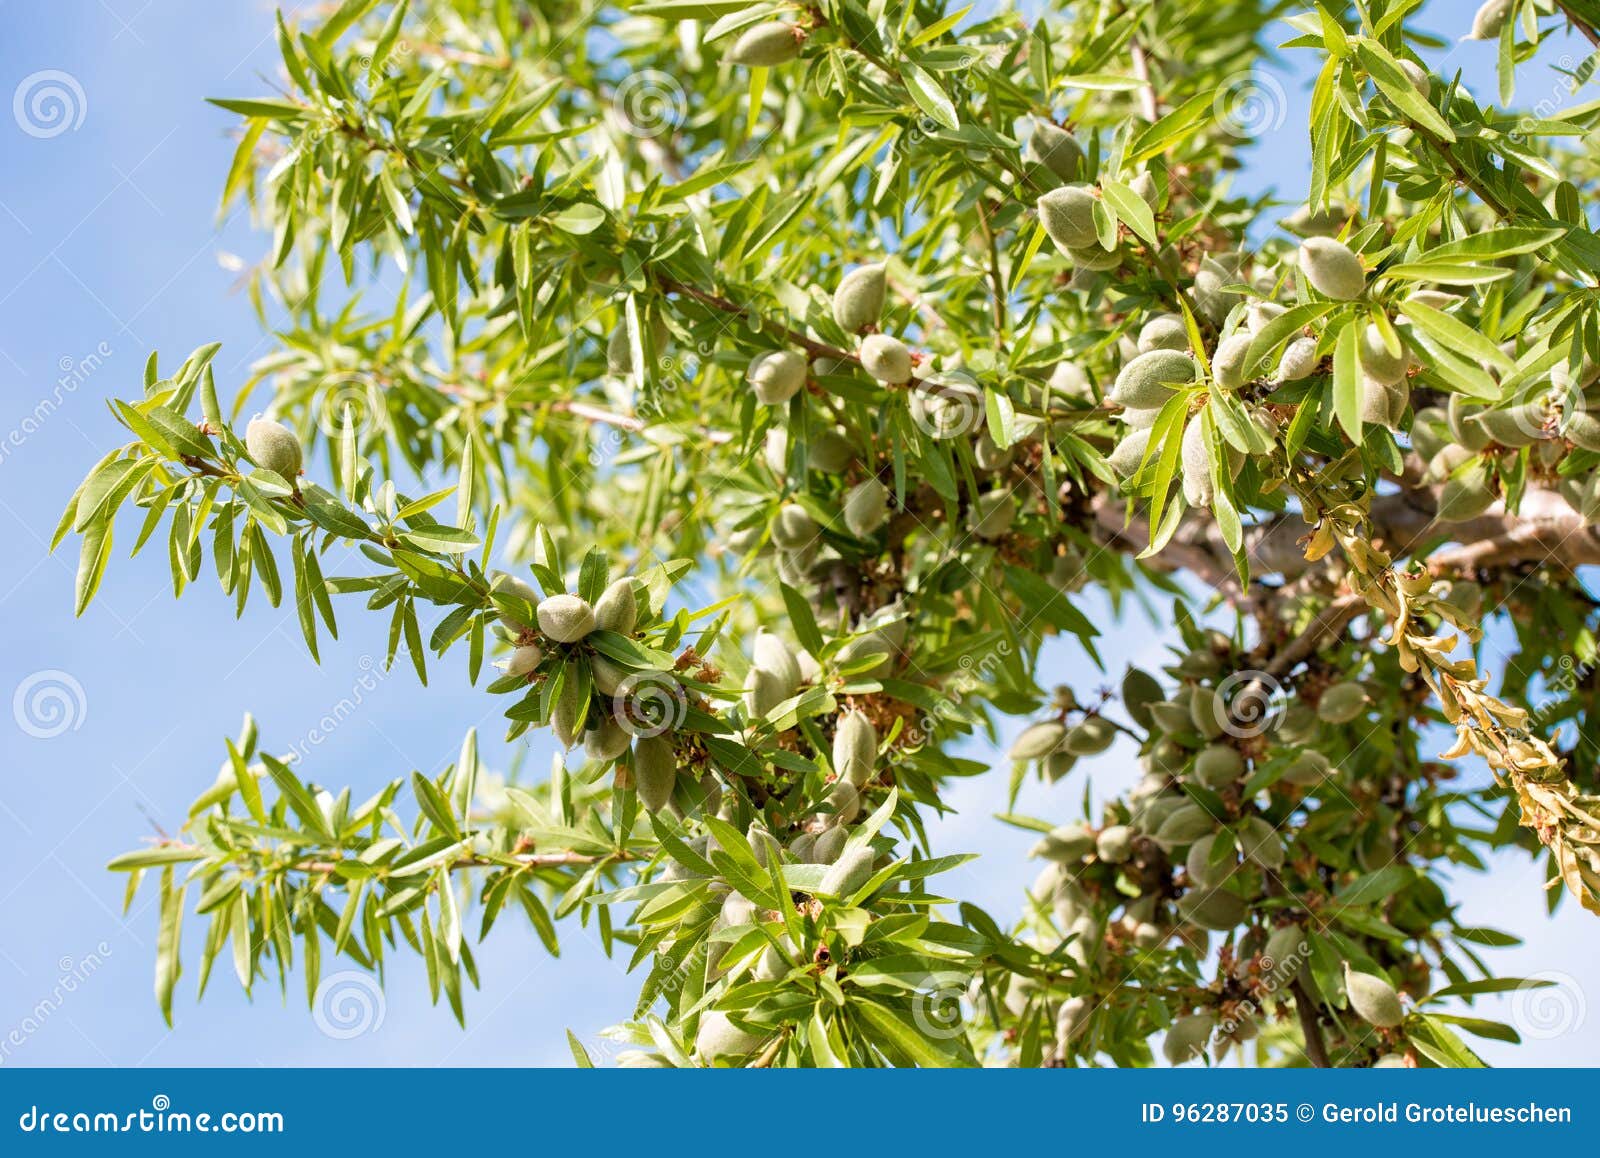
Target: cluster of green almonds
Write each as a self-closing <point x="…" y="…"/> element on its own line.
<point x="561" y="624"/>
<point x="1072" y="215"/>
<point x="826" y="840"/>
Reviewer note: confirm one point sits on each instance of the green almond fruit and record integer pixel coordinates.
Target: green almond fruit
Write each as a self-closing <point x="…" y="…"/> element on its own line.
<point x="511" y="585"/>
<point x="1058" y="764"/>
<point x="1071" y="1020"/>
<point x="1068" y="216"/>
<point x="1140" y="691"/>
<point x="1187" y="822"/>
<point x="771" y="654"/>
<point x="794" y="529"/>
<point x="1090" y="737"/>
<point x="829" y="845"/>
<point x="866" y="507"/>
<point x="1065" y="844"/>
<point x="1260" y="843"/>
<point x="655" y="771"/>
<point x="1216" y="271"/>
<point x="1333" y="269"/>
<point x="1215" y="909"/>
<point x="887" y="359"/>
<point x="1203" y="869"/>
<point x="566" y="718"/>
<point x="830" y="452"/>
<point x="1458" y="412"/>
<point x="565" y="618"/>
<point x="1228" y="363"/>
<point x="1149" y="379"/>
<point x="1299" y="360"/>
<point x="1383" y="404"/>
<point x="988" y="455"/>
<point x="776" y="376"/>
<point x="1127" y="456"/>
<point x="1114" y="845"/>
<point x="1199" y="488"/>
<point x="1418" y="76"/>
<point x="766" y="45"/>
<point x="1056" y="149"/>
<point x="1261" y="314"/>
<point x="1038" y="740"/>
<point x="1489" y="19"/>
<point x="606" y="675"/>
<point x="1218" y="765"/>
<point x="273" y="446"/>
<point x="524" y="660"/>
<point x="763" y="692"/>
<point x="993" y="514"/>
<point x="847" y="874"/>
<point x="1144" y="184"/>
<point x="858" y="301"/>
<point x="860" y="648"/>
<point x="855" y="748"/>
<point x="1307" y="769"/>
<point x="1069" y="380"/>
<point x="1164" y="332"/>
<point x="844" y="800"/>
<point x="1380" y="362"/>
<point x="717" y="1038"/>
<point x="1171" y="715"/>
<point x="1342" y="702"/>
<point x="1288" y="948"/>
<point x="1515" y="426"/>
<point x="1444" y="463"/>
<point x="617" y="610"/>
<point x="1093" y="257"/>
<point x="1373" y="998"/>
<point x="1583" y="430"/>
<point x="1465" y="496"/>
<point x="606" y="741"/>
<point x="803" y="847"/>
<point x="1187" y="1038"/>
<point x="619" y="350"/>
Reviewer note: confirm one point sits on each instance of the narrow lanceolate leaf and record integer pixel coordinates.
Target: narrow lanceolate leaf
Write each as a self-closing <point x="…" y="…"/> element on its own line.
<point x="168" y="939"/>
<point x="930" y="96"/>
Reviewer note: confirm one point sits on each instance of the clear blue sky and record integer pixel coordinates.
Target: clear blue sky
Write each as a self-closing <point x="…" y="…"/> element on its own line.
<point x="112" y="250"/>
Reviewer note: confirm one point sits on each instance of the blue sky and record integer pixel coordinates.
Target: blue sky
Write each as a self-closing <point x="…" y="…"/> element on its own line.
<point x="112" y="245"/>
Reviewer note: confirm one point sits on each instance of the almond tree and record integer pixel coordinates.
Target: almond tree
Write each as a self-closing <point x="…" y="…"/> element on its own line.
<point x="896" y="326"/>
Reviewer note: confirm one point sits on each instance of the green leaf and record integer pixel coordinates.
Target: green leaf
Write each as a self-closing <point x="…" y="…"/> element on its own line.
<point x="1386" y="73"/>
<point x="930" y="97"/>
<point x="1131" y="209"/>
<point x="1347" y="383"/>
